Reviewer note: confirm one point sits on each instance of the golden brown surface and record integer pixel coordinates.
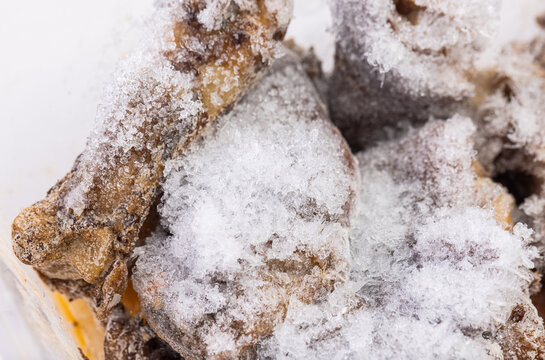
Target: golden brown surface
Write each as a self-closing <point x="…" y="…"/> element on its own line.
<point x="522" y="337"/>
<point x="130" y="301"/>
<point x="490" y="193"/>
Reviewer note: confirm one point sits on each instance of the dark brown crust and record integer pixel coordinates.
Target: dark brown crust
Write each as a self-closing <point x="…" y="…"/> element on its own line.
<point x="129" y="338"/>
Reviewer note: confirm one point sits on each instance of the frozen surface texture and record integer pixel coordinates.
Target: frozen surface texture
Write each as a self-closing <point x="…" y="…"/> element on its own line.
<point x="271" y="244"/>
<point x="508" y="110"/>
<point x="199" y="58"/>
<point x="400" y="61"/>
<point x="437" y="270"/>
<point x="257" y="213"/>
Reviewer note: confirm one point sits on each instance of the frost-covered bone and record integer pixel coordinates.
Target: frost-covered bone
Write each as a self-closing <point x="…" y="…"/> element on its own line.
<point x="400" y="61"/>
<point x="258" y="212"/>
<point x="201" y="56"/>
<point x="434" y="273"/>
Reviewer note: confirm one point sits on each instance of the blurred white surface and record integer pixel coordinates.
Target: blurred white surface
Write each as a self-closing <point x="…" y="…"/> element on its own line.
<point x="54" y="59"/>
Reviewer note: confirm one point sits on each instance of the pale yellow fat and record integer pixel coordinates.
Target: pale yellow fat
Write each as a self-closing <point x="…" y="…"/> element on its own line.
<point x="87" y="332"/>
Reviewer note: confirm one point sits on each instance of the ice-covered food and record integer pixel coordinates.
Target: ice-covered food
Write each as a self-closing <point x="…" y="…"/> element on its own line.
<point x="201" y="56"/>
<point x="399" y="61"/>
<point x="437" y="269"/>
<point x="264" y="235"/>
<point x="255" y="216"/>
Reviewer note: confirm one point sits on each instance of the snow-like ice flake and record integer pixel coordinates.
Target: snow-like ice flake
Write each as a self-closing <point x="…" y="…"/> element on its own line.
<point x="258" y="212"/>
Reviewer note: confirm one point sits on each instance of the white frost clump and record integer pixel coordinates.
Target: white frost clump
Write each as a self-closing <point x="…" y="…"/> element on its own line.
<point x="434" y="275"/>
<point x="426" y="42"/>
<point x="257" y="213"/>
<point x="510" y="118"/>
<point x="398" y="62"/>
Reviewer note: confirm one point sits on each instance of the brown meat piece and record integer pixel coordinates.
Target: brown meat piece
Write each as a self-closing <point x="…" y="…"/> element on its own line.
<point x="129" y="338"/>
<point x="203" y="57"/>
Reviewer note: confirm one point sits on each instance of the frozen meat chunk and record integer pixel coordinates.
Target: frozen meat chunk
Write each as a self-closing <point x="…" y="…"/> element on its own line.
<point x="438" y="271"/>
<point x="201" y="56"/>
<point x="399" y="61"/>
<point x="256" y="214"/>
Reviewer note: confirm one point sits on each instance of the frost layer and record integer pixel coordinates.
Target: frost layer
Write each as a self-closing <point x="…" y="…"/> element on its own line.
<point x="435" y="274"/>
<point x="200" y="58"/>
<point x="257" y="213"/>
<point x="510" y="118"/>
<point x="398" y="61"/>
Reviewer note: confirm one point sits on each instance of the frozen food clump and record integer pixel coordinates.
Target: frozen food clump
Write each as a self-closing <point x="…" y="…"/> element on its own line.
<point x="201" y="56"/>
<point x="256" y="215"/>
<point x="508" y="110"/>
<point x="435" y="271"/>
<point x="399" y="61"/>
<point x="507" y="107"/>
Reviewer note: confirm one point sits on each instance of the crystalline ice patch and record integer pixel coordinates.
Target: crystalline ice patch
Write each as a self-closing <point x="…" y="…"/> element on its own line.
<point x="258" y="214"/>
<point x="434" y="274"/>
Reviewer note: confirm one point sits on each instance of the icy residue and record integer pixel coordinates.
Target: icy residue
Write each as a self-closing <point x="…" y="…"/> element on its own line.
<point x="213" y="14"/>
<point x="258" y="212"/>
<point x="512" y="110"/>
<point x="171" y="82"/>
<point x="510" y="118"/>
<point x="283" y="9"/>
<point x="433" y="274"/>
<point x="147" y="96"/>
<point x="427" y="42"/>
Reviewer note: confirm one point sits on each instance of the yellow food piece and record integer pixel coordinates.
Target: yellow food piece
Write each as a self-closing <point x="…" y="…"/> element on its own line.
<point x="86" y="330"/>
<point x="130" y="300"/>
